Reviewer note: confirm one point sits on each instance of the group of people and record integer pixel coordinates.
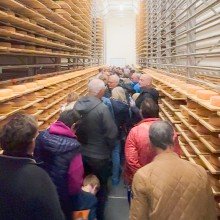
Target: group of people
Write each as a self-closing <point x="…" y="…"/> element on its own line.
<point x="63" y="171"/>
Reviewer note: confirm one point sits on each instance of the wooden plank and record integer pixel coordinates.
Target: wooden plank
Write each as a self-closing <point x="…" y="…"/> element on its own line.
<point x="211" y="168"/>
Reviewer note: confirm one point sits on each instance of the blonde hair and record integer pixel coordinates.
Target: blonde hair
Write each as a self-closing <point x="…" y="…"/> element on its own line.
<point x="135" y="96"/>
<point x="91" y="180"/>
<point x="119" y="94"/>
<point x="73" y="96"/>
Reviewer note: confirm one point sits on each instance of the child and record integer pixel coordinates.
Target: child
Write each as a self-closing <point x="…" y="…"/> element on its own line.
<point x="85" y="203"/>
<point x="70" y="102"/>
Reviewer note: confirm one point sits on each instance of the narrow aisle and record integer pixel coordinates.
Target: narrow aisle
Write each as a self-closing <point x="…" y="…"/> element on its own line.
<point x="117" y="204"/>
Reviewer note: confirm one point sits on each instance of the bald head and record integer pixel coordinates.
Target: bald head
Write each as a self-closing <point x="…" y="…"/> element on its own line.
<point x="145" y="80"/>
<point x="113" y="81"/>
<point x="96" y="87"/>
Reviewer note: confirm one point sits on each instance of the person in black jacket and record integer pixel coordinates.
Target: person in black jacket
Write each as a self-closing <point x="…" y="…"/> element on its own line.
<point x="147" y="91"/>
<point x="99" y="132"/>
<point x="26" y="191"/>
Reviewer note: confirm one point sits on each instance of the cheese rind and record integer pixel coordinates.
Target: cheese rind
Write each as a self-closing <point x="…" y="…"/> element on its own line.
<point x="6" y="93"/>
<point x="214" y="120"/>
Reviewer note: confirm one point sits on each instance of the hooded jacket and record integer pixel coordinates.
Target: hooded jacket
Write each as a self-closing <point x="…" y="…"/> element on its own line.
<point x="138" y="150"/>
<point x="99" y="127"/>
<point x="26" y="191"/>
<point x="59" y="151"/>
<point x="147" y="93"/>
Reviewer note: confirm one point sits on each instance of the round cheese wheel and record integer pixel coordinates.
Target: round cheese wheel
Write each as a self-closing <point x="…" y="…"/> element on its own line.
<point x="7" y="28"/>
<point x="191" y="135"/>
<point x="205" y="94"/>
<point x="184" y="113"/>
<point x="215" y="100"/>
<point x="5" y="108"/>
<point x="214" y="120"/>
<point x="31" y="110"/>
<point x="41" y="49"/>
<point x="215" y="160"/>
<point x="19" y="102"/>
<point x="18" y="88"/>
<point x="30" y="47"/>
<point x="19" y="46"/>
<point x="21" y="32"/>
<point x="215" y="140"/>
<point x="31" y="85"/>
<point x="202" y="112"/>
<point x="42" y="82"/>
<point x="192" y="105"/>
<point x="6" y="93"/>
<point x="192" y="89"/>
<point x="5" y="44"/>
<point x="202" y="130"/>
<point x="31" y="97"/>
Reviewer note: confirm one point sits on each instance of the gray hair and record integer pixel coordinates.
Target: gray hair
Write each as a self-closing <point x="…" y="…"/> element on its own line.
<point x="115" y="78"/>
<point x="95" y="86"/>
<point x="161" y="134"/>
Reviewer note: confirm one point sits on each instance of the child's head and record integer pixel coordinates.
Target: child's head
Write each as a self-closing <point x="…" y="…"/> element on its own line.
<point x="92" y="182"/>
<point x="69" y="117"/>
<point x="73" y="96"/>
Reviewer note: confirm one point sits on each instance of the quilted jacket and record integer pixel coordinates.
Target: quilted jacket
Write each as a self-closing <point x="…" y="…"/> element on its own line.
<point x="138" y="151"/>
<point x="170" y="188"/>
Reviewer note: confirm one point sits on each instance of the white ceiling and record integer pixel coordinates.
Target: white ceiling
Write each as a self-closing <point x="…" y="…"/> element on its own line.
<point x="116" y="6"/>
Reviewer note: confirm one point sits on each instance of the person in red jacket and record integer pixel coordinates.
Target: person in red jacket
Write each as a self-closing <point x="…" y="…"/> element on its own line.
<point x="138" y="151"/>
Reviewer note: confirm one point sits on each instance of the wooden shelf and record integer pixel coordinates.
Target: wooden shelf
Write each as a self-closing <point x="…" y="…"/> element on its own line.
<point x="172" y="97"/>
<point x="201" y="120"/>
<point x="211" y="168"/>
<point x="170" y="106"/>
<point x="168" y="115"/>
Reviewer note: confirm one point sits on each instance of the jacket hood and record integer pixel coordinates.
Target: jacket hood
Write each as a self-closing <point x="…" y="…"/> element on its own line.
<point x="57" y="144"/>
<point x="85" y="104"/>
<point x="59" y="128"/>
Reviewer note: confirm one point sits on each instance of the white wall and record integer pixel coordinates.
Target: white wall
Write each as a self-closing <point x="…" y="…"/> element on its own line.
<point x="120" y="38"/>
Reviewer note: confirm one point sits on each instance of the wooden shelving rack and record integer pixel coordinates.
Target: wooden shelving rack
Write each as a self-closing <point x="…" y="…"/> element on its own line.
<point x="141" y="32"/>
<point x="45" y="99"/>
<point x="199" y="139"/>
<point x="41" y="36"/>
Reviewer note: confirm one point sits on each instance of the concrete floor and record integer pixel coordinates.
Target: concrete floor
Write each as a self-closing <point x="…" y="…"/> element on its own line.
<point x="117" y="205"/>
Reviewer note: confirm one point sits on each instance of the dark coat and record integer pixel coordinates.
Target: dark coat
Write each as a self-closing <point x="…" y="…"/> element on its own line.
<point x="56" y="153"/>
<point x="26" y="191"/>
<point x="147" y="93"/>
<point x="99" y="127"/>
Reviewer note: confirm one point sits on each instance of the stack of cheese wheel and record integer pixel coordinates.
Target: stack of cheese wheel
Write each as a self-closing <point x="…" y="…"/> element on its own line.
<point x="203" y="112"/>
<point x="192" y="89"/>
<point x="18" y="102"/>
<point x="202" y="130"/>
<point x="192" y="105"/>
<point x="30" y="97"/>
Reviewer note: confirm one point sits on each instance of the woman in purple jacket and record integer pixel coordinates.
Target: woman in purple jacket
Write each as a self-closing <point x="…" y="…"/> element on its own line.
<point x="58" y="150"/>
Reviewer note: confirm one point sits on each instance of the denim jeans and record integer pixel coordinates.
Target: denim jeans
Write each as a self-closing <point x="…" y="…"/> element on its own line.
<point x="116" y="165"/>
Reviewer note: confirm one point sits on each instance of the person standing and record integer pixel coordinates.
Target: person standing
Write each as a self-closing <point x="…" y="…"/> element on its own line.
<point x="97" y="132"/>
<point x="26" y="190"/>
<point x="170" y="187"/>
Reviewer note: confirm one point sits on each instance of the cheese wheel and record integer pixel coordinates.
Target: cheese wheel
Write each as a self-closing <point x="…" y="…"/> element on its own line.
<point x="215" y="160"/>
<point x="18" y="88"/>
<point x="202" y="130"/>
<point x="21" y="32"/>
<point x="215" y="100"/>
<point x="19" y="46"/>
<point x="60" y="11"/>
<point x="30" y="47"/>
<point x="5" y="44"/>
<point x="41" y="49"/>
<point x="19" y="102"/>
<point x="6" y="93"/>
<point x="31" y="97"/>
<point x="7" y="28"/>
<point x="31" y="110"/>
<point x="202" y="112"/>
<point x="192" y="105"/>
<point x="184" y="113"/>
<point x="192" y="89"/>
<point x="191" y="135"/>
<point x="215" y="140"/>
<point x="214" y="120"/>
<point x="42" y="82"/>
<point x="5" y="108"/>
<point x="42" y="38"/>
<point x="31" y="85"/>
<point x="205" y="94"/>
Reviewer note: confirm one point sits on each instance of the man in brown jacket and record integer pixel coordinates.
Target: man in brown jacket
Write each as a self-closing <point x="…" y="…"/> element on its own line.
<point x="169" y="187"/>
